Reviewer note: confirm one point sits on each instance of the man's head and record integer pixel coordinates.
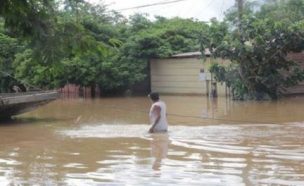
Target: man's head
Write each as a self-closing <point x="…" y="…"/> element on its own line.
<point x="154" y="96"/>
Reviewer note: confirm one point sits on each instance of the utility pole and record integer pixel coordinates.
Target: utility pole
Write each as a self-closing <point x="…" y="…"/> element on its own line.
<point x="240" y="5"/>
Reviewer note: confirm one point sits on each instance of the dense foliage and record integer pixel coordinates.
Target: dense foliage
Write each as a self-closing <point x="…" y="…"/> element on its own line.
<point x="87" y="45"/>
<point x="48" y="44"/>
<point x="8" y="49"/>
<point x="258" y="49"/>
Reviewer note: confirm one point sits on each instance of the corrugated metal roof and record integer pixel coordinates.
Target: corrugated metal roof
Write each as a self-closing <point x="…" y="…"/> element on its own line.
<point x="190" y="54"/>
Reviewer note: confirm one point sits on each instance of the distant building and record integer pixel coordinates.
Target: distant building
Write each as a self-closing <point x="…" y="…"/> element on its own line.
<point x="185" y="73"/>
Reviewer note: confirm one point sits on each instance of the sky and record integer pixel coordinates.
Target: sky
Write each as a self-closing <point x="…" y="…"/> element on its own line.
<point x="202" y="10"/>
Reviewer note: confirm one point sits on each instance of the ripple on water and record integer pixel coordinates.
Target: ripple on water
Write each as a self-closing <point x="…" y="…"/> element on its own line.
<point x="254" y="154"/>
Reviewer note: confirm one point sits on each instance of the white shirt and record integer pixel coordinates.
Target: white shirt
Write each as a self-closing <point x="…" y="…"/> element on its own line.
<point x="162" y="124"/>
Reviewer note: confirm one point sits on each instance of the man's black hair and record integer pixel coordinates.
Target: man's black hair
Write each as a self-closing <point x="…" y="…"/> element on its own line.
<point x="154" y="96"/>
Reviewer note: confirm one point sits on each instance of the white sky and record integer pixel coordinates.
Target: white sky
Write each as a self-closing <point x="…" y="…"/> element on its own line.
<point x="202" y="10"/>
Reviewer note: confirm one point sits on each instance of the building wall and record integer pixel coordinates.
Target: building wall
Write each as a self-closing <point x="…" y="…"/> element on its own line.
<point x="181" y="76"/>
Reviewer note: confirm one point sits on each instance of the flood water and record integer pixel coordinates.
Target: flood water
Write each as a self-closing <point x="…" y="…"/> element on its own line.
<point x="105" y="142"/>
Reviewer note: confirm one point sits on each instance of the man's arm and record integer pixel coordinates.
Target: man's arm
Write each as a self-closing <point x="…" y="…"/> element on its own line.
<point x="155" y="110"/>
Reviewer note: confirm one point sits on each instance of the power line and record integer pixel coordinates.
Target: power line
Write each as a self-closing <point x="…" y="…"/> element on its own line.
<point x="209" y="4"/>
<point x="149" y="5"/>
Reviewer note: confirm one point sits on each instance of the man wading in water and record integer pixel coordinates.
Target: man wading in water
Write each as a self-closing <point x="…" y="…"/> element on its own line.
<point x="157" y="114"/>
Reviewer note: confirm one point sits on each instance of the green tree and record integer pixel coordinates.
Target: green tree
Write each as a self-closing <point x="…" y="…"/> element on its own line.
<point x="259" y="54"/>
<point x="27" y="18"/>
<point x="288" y="11"/>
<point x="85" y="49"/>
<point x="8" y="48"/>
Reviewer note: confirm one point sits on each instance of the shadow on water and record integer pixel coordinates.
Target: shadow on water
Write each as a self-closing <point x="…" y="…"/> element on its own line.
<point x="26" y="121"/>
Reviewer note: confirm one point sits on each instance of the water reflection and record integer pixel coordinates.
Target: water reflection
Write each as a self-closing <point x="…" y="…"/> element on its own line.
<point x="105" y="142"/>
<point x="211" y="107"/>
<point x="159" y="148"/>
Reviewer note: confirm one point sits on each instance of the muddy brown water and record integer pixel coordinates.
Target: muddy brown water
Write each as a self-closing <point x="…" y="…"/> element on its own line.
<point x="105" y="142"/>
